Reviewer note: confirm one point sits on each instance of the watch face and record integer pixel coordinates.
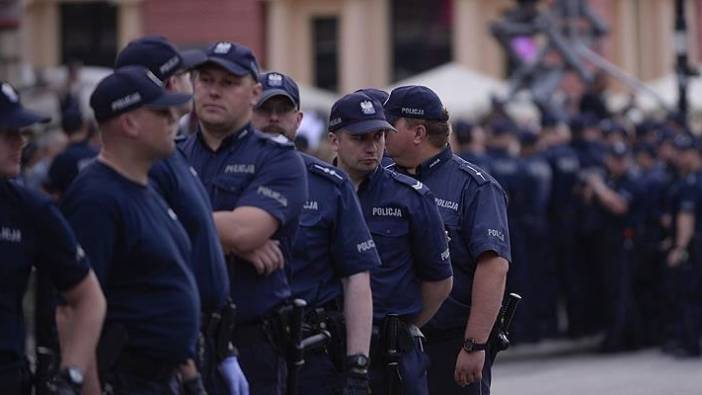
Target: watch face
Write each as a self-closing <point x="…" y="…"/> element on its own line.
<point x="75" y="375"/>
<point x="361" y="361"/>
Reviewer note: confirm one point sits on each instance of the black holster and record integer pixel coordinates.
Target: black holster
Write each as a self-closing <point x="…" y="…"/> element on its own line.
<point x="220" y="327"/>
<point x="328" y="319"/>
<point x="391" y="345"/>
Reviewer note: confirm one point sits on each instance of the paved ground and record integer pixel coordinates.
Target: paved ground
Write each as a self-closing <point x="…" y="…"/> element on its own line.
<point x="570" y="368"/>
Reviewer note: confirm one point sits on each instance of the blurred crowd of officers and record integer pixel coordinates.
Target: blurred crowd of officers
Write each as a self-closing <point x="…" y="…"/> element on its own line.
<point x="605" y="218"/>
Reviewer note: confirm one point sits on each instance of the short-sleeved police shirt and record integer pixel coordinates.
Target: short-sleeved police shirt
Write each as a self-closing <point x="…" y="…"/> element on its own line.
<point x="473" y="207"/>
<point x="253" y="169"/>
<point x="333" y="240"/>
<point x="409" y="235"/>
<point x="32" y="233"/>
<point x="140" y="253"/>
<point x="689" y="198"/>
<point x="180" y="187"/>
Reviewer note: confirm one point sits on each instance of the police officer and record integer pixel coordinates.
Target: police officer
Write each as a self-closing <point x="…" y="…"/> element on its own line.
<point x="469" y="142"/>
<point x="415" y="273"/>
<point x="332" y="255"/>
<point x="138" y="249"/>
<point x="613" y="197"/>
<point x="473" y="207"/>
<point x="543" y="277"/>
<point x="683" y="260"/>
<point x="257" y="186"/>
<point x="34" y="233"/>
<point x="177" y="182"/>
<point x="562" y="220"/>
<point x="504" y="164"/>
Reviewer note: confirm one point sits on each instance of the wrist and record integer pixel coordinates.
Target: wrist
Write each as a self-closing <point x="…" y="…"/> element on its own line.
<point x="357" y="364"/>
<point x="471" y="345"/>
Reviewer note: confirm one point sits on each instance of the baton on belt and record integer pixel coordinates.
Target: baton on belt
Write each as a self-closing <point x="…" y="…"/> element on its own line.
<point x="499" y="337"/>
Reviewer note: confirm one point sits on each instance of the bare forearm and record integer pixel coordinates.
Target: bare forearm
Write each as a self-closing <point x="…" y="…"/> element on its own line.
<point x="81" y="334"/>
<point x="488" y="288"/>
<point x="245" y="229"/>
<point x="685" y="228"/>
<point x="610" y="199"/>
<point x="433" y="295"/>
<point x="358" y="312"/>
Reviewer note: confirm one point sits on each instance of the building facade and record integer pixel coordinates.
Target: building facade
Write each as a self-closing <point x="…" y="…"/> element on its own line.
<point x="338" y="45"/>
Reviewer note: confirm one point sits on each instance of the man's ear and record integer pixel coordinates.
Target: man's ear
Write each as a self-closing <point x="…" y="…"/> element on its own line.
<point x="129" y="124"/>
<point x="257" y="90"/>
<point x="333" y="141"/>
<point x="420" y="133"/>
<point x="300" y="115"/>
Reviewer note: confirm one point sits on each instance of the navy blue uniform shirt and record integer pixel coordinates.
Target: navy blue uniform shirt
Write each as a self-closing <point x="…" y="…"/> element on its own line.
<point x="473" y="207"/>
<point x="180" y="187"/>
<point x="252" y="169"/>
<point x="65" y="167"/>
<point x="140" y="253"/>
<point x="333" y="240"/>
<point x="409" y="235"/>
<point x="32" y="233"/>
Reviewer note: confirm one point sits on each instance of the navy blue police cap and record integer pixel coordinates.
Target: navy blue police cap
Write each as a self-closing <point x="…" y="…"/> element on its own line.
<point x="158" y="55"/>
<point x="357" y="113"/>
<point x="414" y="101"/>
<point x="235" y="58"/>
<point x="376" y="94"/>
<point x="12" y="114"/>
<point x="278" y="84"/>
<point x="129" y="88"/>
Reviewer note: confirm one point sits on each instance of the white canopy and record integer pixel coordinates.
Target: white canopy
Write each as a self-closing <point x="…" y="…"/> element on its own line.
<point x="465" y="93"/>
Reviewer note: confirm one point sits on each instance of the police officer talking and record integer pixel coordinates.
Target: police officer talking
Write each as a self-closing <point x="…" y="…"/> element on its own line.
<point x="33" y="233"/>
<point x="333" y="253"/>
<point x="473" y="207"/>
<point x="138" y="248"/>
<point x="180" y="187"/>
<point x="415" y="273"/>
<point x="257" y="186"/>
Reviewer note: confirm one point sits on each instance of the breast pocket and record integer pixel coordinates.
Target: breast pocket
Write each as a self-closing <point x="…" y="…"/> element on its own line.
<point x="312" y="235"/>
<point x="392" y="240"/>
<point x="226" y="192"/>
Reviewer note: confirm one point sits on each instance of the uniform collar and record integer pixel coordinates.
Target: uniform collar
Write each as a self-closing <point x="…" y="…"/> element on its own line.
<point x="230" y="141"/>
<point x="371" y="179"/>
<point x="429" y="165"/>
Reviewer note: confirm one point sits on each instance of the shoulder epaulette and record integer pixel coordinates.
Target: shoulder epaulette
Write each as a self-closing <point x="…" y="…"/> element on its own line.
<point x="410" y="182"/>
<point x="478" y="174"/>
<point x="327" y="172"/>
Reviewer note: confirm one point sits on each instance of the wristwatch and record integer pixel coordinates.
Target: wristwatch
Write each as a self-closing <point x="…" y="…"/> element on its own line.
<point x="358" y="362"/>
<point x="470" y="345"/>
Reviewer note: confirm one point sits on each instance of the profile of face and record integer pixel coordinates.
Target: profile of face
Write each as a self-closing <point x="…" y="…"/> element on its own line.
<point x="359" y="154"/>
<point x="222" y="99"/>
<point x="400" y="144"/>
<point x="155" y="130"/>
<point x="11" y="142"/>
<point x="277" y="115"/>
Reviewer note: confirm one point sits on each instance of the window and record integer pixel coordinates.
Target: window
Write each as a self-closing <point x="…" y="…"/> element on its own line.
<point x="421" y="35"/>
<point x="325" y="33"/>
<point x="89" y="33"/>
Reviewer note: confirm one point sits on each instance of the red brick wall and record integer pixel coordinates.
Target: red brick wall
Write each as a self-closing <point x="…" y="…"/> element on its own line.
<point x="191" y="23"/>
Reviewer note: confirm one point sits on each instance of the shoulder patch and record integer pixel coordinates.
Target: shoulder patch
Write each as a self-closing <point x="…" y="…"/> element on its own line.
<point x="478" y="174"/>
<point x="410" y="182"/>
<point x="327" y="172"/>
